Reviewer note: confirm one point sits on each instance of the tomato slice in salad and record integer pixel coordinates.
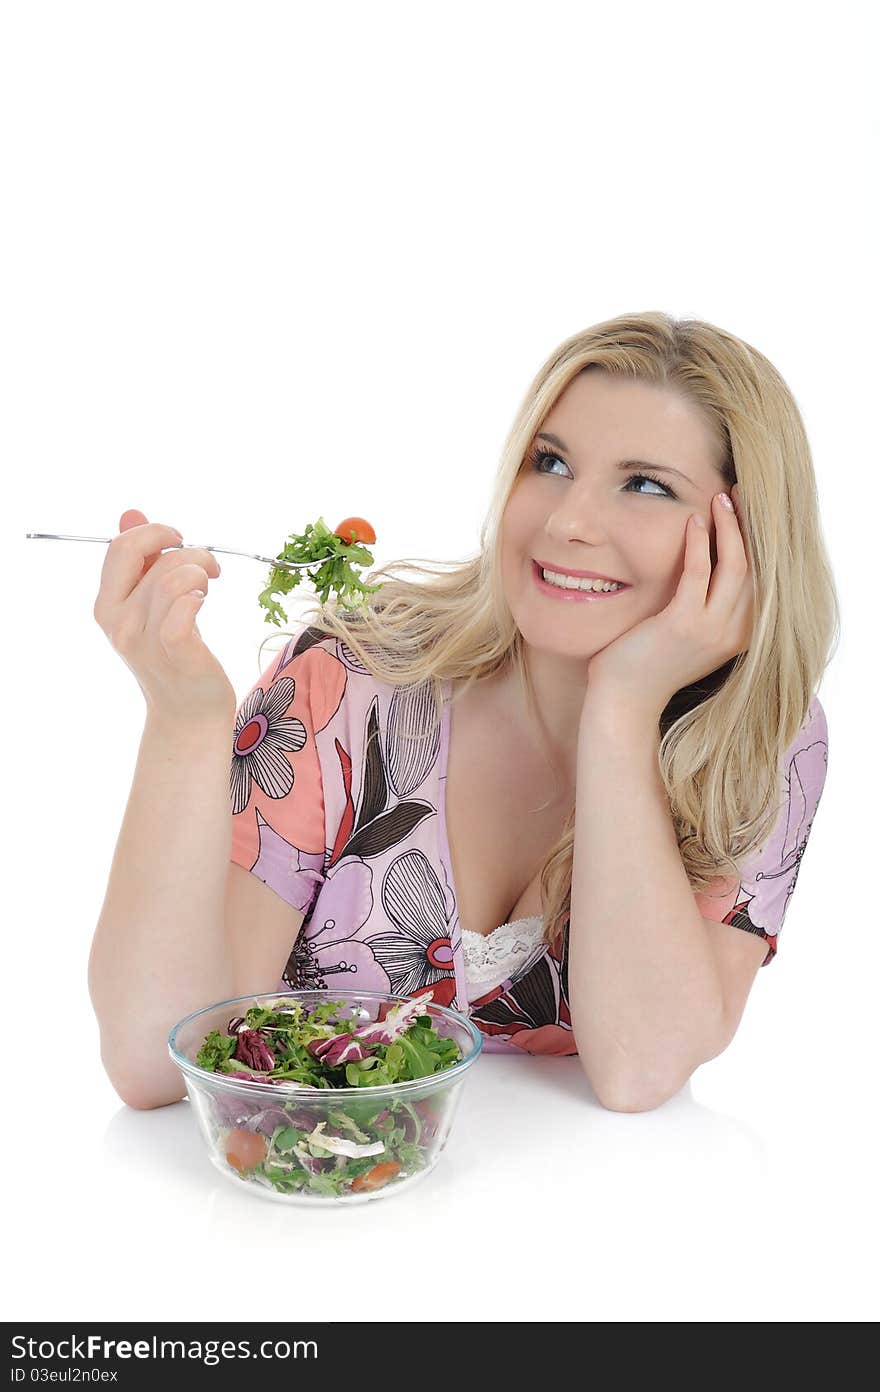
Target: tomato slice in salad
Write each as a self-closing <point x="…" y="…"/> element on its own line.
<point x="245" y="1149"/>
<point x="376" y="1177"/>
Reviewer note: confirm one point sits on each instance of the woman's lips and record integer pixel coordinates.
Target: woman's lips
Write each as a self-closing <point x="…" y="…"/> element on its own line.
<point x="575" y="596"/>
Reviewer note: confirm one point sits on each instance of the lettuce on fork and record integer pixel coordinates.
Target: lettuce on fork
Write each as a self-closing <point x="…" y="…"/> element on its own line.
<point x="332" y="558"/>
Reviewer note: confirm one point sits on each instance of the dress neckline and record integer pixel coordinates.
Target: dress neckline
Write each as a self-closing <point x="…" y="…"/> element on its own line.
<point x="445" y="728"/>
<point x="445" y="853"/>
<point x="531" y="920"/>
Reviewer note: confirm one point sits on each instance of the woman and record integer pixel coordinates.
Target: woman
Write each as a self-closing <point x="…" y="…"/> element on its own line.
<point x="579" y="818"/>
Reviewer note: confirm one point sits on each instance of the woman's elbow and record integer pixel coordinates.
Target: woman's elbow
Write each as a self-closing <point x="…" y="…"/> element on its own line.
<point x="635" y="1096"/>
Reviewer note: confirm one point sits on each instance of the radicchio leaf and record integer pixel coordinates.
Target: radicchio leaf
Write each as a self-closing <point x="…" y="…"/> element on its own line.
<point x="251" y="1048"/>
<point x="396" y="1022"/>
<point x="246" y="1076"/>
<point x="268" y="1120"/>
<point x="231" y="1111"/>
<point x="338" y="1049"/>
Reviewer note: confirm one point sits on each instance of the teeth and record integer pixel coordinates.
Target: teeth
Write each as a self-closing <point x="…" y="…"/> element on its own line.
<point x="569" y="582"/>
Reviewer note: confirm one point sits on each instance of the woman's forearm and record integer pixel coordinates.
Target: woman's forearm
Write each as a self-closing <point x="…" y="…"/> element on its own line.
<point x="645" y="991"/>
<point x="159" y="949"/>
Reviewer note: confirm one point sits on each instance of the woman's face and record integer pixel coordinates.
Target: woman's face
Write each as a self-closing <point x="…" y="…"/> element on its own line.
<point x="576" y="507"/>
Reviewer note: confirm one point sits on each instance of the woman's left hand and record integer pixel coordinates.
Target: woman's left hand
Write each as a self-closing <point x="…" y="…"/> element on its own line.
<point x="703" y="626"/>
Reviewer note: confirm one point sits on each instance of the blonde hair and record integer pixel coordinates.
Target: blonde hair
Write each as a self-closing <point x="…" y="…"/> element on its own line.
<point x="723" y="738"/>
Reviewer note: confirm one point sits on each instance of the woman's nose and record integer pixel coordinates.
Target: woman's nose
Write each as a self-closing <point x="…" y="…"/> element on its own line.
<point x="581" y="523"/>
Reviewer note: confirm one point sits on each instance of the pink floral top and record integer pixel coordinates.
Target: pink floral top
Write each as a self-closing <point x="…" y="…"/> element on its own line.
<point x="344" y="818"/>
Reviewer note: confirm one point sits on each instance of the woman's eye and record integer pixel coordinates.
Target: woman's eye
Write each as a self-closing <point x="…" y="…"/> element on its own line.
<point x="542" y="457"/>
<point x="643" y="478"/>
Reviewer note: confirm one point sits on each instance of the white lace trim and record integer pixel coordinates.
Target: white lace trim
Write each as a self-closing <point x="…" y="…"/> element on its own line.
<point x="489" y="960"/>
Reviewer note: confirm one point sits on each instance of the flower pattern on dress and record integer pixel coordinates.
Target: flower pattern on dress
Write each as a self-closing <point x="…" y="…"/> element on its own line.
<point x="330" y="954"/>
<point x="531" y="1009"/>
<point x="263" y="734"/>
<point x="276" y="789"/>
<point x="757" y="900"/>
<point x="418" y="956"/>
<point x="342" y="816"/>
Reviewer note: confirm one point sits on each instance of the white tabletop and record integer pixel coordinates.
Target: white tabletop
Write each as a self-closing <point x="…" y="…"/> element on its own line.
<point x="747" y="1197"/>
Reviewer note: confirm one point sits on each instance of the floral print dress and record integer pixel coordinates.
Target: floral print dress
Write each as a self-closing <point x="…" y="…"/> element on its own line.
<point x="343" y="817"/>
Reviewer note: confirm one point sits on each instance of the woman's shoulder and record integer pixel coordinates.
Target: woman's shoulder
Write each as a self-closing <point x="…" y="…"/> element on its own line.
<point x="299" y="639"/>
<point x="333" y="679"/>
<point x="803" y="770"/>
<point x="812" y="735"/>
<point x="815" y="718"/>
<point x="309" y="652"/>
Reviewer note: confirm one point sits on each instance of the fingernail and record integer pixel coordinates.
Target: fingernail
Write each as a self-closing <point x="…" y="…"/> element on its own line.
<point x="725" y="501"/>
<point x="700" y="521"/>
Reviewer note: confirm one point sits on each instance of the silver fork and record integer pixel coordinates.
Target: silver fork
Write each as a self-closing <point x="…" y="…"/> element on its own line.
<point x="225" y="550"/>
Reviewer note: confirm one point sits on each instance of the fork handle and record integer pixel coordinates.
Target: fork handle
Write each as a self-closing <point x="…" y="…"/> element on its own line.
<point x="63" y="536"/>
<point x="225" y="550"/>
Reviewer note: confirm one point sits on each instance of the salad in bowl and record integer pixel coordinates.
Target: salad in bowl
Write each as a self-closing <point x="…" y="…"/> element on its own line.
<point x="312" y="1099"/>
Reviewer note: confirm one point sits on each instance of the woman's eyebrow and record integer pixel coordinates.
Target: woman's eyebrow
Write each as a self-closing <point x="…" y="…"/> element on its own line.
<point x="622" y="463"/>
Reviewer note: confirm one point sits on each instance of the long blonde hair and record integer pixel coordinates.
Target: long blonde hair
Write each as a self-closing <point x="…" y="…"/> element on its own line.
<point x="723" y="738"/>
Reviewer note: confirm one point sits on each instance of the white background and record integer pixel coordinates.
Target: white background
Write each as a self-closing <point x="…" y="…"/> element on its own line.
<point x="268" y="262"/>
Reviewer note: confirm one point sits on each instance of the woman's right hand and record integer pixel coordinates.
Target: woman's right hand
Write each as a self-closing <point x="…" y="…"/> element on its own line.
<point x="147" y="608"/>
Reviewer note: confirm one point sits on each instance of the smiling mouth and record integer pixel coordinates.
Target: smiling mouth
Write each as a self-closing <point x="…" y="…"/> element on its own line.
<point x="571" y="587"/>
<point x="569" y="573"/>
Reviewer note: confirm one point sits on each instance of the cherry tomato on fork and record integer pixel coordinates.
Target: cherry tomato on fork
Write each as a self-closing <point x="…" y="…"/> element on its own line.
<point x="363" y="532"/>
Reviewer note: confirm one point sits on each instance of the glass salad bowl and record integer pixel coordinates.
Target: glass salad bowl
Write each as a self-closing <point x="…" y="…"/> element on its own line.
<point x="347" y="1136"/>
